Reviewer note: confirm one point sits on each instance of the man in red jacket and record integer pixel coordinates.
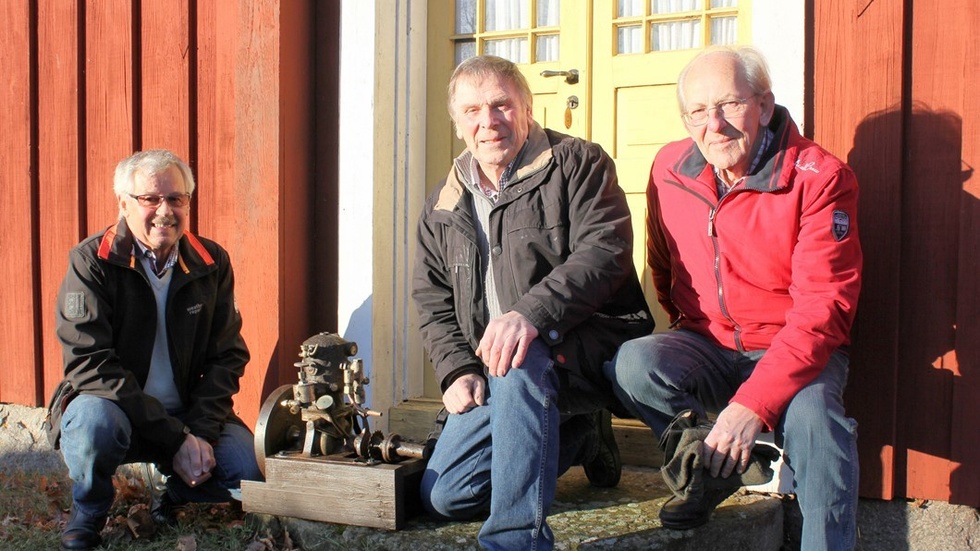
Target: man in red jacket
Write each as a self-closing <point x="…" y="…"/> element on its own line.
<point x="754" y="251"/>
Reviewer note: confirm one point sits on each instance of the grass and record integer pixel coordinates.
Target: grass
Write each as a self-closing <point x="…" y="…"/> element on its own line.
<point x="34" y="507"/>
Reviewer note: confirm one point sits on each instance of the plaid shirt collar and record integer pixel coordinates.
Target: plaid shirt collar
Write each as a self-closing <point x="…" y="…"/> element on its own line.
<point x="505" y="178"/>
<point x="140" y="251"/>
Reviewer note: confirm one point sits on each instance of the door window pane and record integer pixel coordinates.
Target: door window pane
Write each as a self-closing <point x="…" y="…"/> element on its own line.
<point x="465" y="16"/>
<point x="629" y="40"/>
<point x="505" y="15"/>
<point x="674" y="6"/>
<point x="629" y="8"/>
<point x="547" y="48"/>
<point x="514" y="49"/>
<point x="724" y="30"/>
<point x="675" y="35"/>
<point x="548" y="13"/>
<point x="465" y="50"/>
<point x="724" y="3"/>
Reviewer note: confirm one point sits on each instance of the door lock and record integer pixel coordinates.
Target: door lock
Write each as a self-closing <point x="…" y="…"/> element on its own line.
<point x="571" y="77"/>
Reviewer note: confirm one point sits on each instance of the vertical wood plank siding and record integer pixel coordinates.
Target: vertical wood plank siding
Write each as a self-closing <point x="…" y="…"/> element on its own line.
<point x="903" y="113"/>
<point x="61" y="172"/>
<point x="230" y="87"/>
<point x="20" y="319"/>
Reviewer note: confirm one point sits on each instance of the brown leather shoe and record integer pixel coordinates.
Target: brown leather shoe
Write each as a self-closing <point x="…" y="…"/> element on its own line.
<point x="81" y="532"/>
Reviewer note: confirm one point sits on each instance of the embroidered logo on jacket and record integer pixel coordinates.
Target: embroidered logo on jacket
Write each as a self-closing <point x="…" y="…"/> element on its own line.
<point x="810" y="166"/>
<point x="74" y="305"/>
<point x="842" y="223"/>
<point x="194" y="310"/>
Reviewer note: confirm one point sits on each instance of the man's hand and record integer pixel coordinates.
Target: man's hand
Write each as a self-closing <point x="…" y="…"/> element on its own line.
<point x="466" y="392"/>
<point x="194" y="460"/>
<point x="505" y="343"/>
<point x="730" y="442"/>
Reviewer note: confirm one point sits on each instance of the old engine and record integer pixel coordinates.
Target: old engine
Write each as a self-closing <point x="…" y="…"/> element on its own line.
<point x="323" y="415"/>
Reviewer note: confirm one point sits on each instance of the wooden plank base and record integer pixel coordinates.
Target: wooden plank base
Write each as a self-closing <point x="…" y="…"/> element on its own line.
<point x="337" y="489"/>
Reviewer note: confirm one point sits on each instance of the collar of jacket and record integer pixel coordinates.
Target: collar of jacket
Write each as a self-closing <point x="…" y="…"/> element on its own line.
<point x="117" y="244"/>
<point x="772" y="172"/>
<point x="536" y="157"/>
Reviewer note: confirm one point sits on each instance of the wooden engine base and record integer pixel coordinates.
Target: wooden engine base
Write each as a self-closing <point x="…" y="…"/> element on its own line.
<point x="337" y="489"/>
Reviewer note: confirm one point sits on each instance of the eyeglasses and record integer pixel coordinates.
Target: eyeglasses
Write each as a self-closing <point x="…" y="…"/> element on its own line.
<point x="729" y="109"/>
<point x="175" y="200"/>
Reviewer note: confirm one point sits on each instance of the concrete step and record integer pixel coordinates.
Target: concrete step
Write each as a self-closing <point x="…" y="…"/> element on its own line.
<point x="582" y="517"/>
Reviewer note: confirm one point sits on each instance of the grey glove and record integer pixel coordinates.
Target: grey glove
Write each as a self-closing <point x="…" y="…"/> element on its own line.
<point x="683" y="468"/>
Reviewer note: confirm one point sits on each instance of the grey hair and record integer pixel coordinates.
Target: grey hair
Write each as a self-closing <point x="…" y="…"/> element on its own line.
<point x="751" y="65"/>
<point x="149" y="162"/>
<point x="485" y="66"/>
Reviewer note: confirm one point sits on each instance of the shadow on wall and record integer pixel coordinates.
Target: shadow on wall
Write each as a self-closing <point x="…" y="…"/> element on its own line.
<point x="913" y="376"/>
<point x="359" y="331"/>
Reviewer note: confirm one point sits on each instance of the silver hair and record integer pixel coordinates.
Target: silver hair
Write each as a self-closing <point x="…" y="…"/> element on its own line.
<point x="485" y="66"/>
<point x="751" y="64"/>
<point x="149" y="162"/>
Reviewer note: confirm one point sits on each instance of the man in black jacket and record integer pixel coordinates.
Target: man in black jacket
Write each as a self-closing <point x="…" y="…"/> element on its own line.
<point x="525" y="285"/>
<point x="153" y="354"/>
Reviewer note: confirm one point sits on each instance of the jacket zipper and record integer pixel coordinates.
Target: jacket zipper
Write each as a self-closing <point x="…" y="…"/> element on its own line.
<point x="712" y="233"/>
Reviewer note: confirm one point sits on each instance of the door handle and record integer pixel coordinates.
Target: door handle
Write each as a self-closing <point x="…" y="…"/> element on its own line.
<point x="571" y="77"/>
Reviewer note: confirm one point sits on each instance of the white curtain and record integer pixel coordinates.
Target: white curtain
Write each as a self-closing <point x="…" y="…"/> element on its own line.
<point x="548" y="13"/>
<point x="677" y="35"/>
<point x="724" y="30"/>
<point x="674" y="6"/>
<point x="514" y="49"/>
<point x="505" y="15"/>
<point x="629" y="8"/>
<point x="547" y="48"/>
<point x="629" y="40"/>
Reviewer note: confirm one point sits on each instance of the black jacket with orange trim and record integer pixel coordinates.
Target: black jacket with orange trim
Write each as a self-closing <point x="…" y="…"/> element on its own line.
<point x="106" y="322"/>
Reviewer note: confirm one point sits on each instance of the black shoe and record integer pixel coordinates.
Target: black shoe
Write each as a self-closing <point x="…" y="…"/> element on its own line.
<point x="81" y="531"/>
<point x="685" y="514"/>
<point x="433" y="437"/>
<point x="606" y="467"/>
<point x="163" y="510"/>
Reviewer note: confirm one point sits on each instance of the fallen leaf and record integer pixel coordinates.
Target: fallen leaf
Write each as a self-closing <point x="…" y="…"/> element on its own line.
<point x="140" y="524"/>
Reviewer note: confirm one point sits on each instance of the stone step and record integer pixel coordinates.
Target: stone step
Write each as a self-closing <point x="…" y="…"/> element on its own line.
<point x="582" y="517"/>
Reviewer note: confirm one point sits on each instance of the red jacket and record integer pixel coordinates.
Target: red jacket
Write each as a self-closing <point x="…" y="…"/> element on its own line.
<point x="775" y="264"/>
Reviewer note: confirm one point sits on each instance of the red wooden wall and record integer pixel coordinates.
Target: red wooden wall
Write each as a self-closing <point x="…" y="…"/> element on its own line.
<point x="230" y="87"/>
<point x="894" y="93"/>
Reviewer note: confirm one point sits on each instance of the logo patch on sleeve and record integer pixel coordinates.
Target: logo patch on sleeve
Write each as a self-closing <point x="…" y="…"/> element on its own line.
<point x="842" y="224"/>
<point x="75" y="305"/>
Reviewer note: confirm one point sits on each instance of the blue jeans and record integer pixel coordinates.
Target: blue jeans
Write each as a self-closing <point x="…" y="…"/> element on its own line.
<point x="658" y="376"/>
<point x="510" y="444"/>
<point x="97" y="437"/>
